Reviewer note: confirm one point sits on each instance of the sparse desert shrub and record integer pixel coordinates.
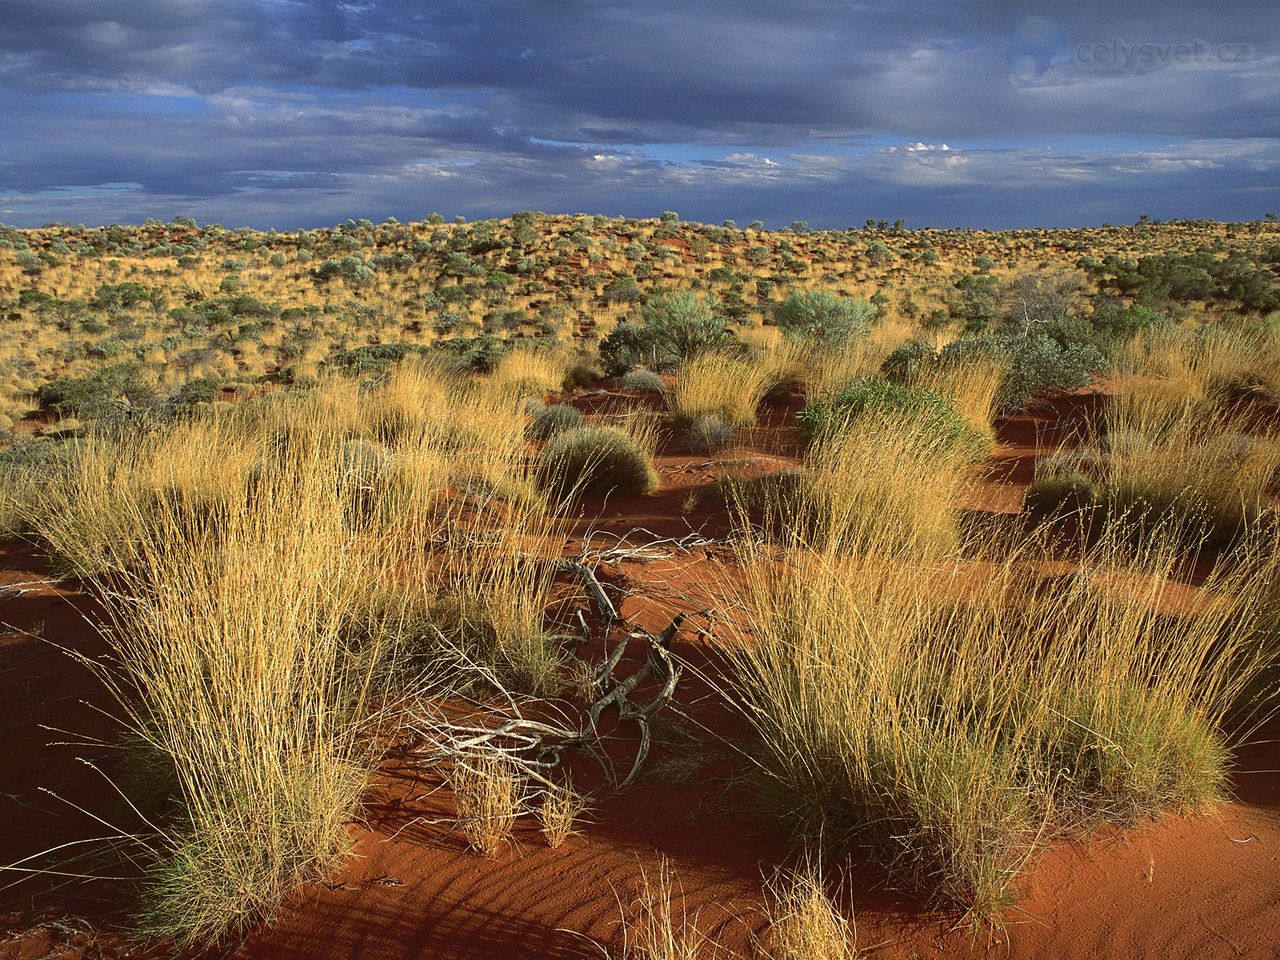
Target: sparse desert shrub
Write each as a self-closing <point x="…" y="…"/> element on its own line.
<point x="823" y="318"/>
<point x="1122" y="322"/>
<point x="596" y="460"/>
<point x="675" y="327"/>
<point x="1036" y="363"/>
<point x="628" y="345"/>
<point x="554" y="419"/>
<point x="643" y="381"/>
<point x="100" y="393"/>
<point x="709" y="432"/>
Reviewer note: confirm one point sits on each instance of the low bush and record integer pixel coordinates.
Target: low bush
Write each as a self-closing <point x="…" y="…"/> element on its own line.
<point x="643" y="381"/>
<point x="104" y="391"/>
<point x="1037" y="362"/>
<point x="674" y="327"/>
<point x="195" y="392"/>
<point x="596" y="460"/>
<point x="554" y="419"/>
<point x="823" y="318"/>
<point x="709" y="432"/>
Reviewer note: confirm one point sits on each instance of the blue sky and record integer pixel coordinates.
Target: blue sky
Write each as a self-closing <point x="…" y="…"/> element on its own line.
<point x="290" y="113"/>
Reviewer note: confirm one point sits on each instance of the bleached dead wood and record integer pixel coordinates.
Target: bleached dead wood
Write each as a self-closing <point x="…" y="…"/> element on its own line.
<point x="538" y="745"/>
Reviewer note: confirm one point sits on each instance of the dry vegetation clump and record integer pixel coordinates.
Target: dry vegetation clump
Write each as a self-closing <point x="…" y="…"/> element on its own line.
<point x="531" y="373"/>
<point x="642" y="381"/>
<point x="553" y="419"/>
<point x="880" y="482"/>
<point x="274" y="578"/>
<point x="656" y="926"/>
<point x="232" y="634"/>
<point x="1170" y="448"/>
<point x="596" y="459"/>
<point x="804" y="922"/>
<point x="972" y="387"/>
<point x="488" y="791"/>
<point x="560" y="809"/>
<point x="949" y="720"/>
<point x="713" y="384"/>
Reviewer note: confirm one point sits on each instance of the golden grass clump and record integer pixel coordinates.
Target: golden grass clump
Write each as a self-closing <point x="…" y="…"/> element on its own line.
<point x="804" y="922"/>
<point x="657" y="927"/>
<point x="972" y="386"/>
<point x="561" y="807"/>
<point x="530" y="373"/>
<point x="235" y="669"/>
<point x="488" y="793"/>
<point x="728" y="387"/>
<point x="880" y="483"/>
<point x="949" y="718"/>
<point x="1156" y="457"/>
<point x="270" y="576"/>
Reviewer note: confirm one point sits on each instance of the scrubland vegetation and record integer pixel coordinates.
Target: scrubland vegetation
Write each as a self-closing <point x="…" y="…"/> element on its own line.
<point x="376" y="517"/>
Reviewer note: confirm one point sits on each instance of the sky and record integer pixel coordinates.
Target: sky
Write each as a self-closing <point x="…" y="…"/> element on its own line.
<point x="946" y="113"/>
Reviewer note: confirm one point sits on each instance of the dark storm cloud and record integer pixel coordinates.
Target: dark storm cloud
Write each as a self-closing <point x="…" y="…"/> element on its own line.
<point x="284" y="112"/>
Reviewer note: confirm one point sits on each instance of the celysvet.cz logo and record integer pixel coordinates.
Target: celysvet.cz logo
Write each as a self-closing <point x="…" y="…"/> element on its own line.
<point x="1038" y="46"/>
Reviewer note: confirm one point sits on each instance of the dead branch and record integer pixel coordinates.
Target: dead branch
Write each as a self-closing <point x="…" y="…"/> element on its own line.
<point x="538" y="745"/>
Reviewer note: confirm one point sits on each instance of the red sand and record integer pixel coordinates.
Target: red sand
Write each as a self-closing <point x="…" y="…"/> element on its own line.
<point x="1177" y="888"/>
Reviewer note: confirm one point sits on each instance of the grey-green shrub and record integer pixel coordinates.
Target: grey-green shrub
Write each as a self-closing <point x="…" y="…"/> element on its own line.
<point x="554" y="419"/>
<point x="596" y="460"/>
<point x="643" y="381"/>
<point x="822" y="317"/>
<point x="709" y="432"/>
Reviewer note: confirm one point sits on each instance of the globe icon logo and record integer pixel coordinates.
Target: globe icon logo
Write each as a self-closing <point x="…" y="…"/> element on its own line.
<point x="1034" y="46"/>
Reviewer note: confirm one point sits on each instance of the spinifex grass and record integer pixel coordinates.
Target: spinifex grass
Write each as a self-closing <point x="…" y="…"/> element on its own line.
<point x="948" y="717"/>
<point x="877" y="483"/>
<point x="232" y="642"/>
<point x="260" y="594"/>
<point x="487" y="790"/>
<point x="728" y="387"/>
<point x="804" y="922"/>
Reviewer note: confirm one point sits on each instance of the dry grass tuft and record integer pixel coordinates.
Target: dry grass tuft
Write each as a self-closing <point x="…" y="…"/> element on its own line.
<point x="721" y="385"/>
<point x="946" y="719"/>
<point x="560" y="810"/>
<point x="804" y="922"/>
<point x="488" y="792"/>
<point x="657" y="927"/>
